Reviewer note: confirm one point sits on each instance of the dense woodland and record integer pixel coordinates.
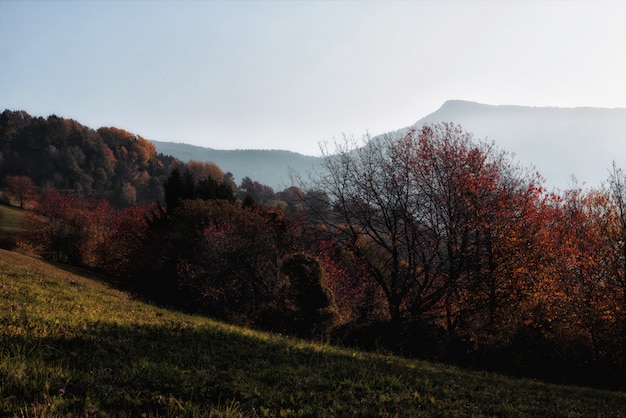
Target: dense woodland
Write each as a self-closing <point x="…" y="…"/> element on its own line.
<point x="433" y="244"/>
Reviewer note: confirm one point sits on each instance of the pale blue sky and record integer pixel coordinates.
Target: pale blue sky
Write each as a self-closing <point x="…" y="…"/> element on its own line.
<point x="287" y="75"/>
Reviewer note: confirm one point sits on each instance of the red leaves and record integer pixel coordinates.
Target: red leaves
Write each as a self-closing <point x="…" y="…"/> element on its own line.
<point x="22" y="188"/>
<point x="86" y="231"/>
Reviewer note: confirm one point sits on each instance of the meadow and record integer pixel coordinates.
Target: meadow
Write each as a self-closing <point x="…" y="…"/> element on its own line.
<point x="73" y="346"/>
<point x="10" y="225"/>
<point x="11" y="219"/>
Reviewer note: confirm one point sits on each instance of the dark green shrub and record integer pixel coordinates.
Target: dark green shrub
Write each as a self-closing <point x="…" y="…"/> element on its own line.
<point x="304" y="296"/>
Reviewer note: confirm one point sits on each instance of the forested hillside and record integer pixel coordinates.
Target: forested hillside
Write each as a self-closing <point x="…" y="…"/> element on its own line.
<point x="62" y="154"/>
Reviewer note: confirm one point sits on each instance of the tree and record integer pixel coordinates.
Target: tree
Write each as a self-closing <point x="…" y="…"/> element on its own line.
<point x="370" y="189"/>
<point x="309" y="301"/>
<point x="504" y="215"/>
<point x="126" y="230"/>
<point x="580" y="299"/>
<point x="614" y="233"/>
<point x="228" y="264"/>
<point x="205" y="170"/>
<point x="185" y="186"/>
<point x="261" y="194"/>
<point x="413" y="211"/>
<point x="358" y="298"/>
<point x="22" y="187"/>
<point x="68" y="228"/>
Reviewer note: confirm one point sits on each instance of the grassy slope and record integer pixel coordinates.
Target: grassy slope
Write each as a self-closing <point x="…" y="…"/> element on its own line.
<point x="10" y="219"/>
<point x="70" y="344"/>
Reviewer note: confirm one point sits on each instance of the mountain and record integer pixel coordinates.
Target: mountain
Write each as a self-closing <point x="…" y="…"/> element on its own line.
<point x="559" y="142"/>
<point x="269" y="167"/>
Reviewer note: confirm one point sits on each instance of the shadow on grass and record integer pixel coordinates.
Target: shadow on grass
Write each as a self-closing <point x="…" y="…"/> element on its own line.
<point x="186" y="370"/>
<point x="136" y="369"/>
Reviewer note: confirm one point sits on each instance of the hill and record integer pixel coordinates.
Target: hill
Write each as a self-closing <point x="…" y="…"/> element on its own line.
<point x="62" y="154"/>
<point x="71" y="345"/>
<point x="269" y="167"/>
<point x="124" y="167"/>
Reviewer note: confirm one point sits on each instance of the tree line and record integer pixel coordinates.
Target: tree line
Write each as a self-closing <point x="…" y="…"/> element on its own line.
<point x="467" y="251"/>
<point x="433" y="244"/>
<point x="61" y="154"/>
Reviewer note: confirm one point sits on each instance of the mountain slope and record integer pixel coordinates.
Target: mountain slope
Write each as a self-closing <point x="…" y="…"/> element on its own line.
<point x="72" y="346"/>
<point x="559" y="142"/>
<point x="269" y="167"/>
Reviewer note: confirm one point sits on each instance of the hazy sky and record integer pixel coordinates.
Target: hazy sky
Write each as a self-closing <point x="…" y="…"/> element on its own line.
<point x="289" y="74"/>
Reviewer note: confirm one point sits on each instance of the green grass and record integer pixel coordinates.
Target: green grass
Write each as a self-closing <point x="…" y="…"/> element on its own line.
<point x="70" y="346"/>
<point x="10" y="220"/>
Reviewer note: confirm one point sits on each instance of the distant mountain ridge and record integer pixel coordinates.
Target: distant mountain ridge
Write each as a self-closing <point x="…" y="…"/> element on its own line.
<point x="559" y="142"/>
<point x="269" y="167"/>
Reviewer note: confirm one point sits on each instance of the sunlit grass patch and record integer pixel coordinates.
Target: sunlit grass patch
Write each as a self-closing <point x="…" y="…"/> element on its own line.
<point x="11" y="220"/>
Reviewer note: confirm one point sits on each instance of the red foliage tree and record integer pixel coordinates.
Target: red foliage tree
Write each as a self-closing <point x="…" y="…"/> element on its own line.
<point x="417" y="213"/>
<point x="126" y="231"/>
<point x="68" y="228"/>
<point x="358" y="298"/>
<point x="22" y="187"/>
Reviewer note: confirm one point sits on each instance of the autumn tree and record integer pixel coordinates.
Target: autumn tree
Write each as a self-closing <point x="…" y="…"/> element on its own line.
<point x="126" y="231"/>
<point x="414" y="211"/>
<point x="260" y="193"/>
<point x="504" y="210"/>
<point x="614" y="233"/>
<point x="580" y="301"/>
<point x="68" y="228"/>
<point x="358" y="299"/>
<point x="215" y="257"/>
<point x="372" y="197"/>
<point x="22" y="187"/>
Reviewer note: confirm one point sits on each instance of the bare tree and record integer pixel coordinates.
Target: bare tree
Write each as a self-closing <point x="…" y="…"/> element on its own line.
<point x="413" y="210"/>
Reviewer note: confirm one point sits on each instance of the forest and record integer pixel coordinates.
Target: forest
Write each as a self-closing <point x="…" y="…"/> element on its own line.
<point x="434" y="244"/>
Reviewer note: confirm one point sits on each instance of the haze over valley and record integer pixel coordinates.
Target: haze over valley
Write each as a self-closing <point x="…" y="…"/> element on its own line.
<point x="560" y="143"/>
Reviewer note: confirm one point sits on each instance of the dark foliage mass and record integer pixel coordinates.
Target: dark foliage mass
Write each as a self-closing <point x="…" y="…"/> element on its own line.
<point x="432" y="244"/>
<point x="62" y="154"/>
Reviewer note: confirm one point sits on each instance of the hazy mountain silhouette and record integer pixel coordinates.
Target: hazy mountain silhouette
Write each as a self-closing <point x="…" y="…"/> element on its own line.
<point x="559" y="142"/>
<point x="269" y="167"/>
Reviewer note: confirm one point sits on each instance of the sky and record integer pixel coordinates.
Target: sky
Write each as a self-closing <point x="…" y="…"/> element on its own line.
<point x="293" y="74"/>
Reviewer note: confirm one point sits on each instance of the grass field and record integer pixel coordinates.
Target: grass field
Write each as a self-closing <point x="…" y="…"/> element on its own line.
<point x="72" y="346"/>
<point x="10" y="220"/>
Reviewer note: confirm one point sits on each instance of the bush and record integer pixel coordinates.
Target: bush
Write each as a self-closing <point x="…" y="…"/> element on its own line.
<point x="304" y="297"/>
